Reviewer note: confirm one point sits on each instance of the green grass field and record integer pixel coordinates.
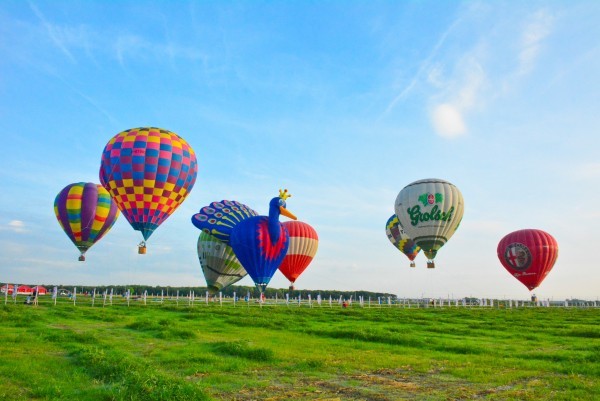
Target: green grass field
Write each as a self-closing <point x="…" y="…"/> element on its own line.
<point x="204" y="352"/>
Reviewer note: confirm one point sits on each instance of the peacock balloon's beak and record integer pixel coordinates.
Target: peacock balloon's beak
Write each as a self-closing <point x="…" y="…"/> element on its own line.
<point x="287" y="213"/>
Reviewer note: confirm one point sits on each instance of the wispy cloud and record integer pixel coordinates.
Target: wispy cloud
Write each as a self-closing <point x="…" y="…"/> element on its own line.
<point x="129" y="46"/>
<point x="94" y="103"/>
<point x="458" y="84"/>
<point x="534" y="33"/>
<point x="15" y="226"/>
<point x="84" y="96"/>
<point x="425" y="66"/>
<point x="54" y="32"/>
<point x="583" y="59"/>
<point x="461" y="93"/>
<point x="126" y="44"/>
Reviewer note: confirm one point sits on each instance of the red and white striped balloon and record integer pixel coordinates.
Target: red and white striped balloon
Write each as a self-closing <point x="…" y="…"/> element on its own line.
<point x="304" y="242"/>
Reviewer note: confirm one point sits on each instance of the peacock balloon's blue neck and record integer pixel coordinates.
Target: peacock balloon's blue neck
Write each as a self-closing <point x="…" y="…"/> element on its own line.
<point x="274" y="224"/>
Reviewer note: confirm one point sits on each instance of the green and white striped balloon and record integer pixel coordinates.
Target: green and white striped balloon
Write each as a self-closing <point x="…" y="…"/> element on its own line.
<point x="219" y="264"/>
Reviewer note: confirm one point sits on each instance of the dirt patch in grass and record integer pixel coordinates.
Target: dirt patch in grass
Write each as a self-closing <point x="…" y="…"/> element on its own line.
<point x="379" y="385"/>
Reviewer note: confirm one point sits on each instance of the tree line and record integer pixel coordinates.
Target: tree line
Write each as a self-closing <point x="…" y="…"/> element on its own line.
<point x="240" y="291"/>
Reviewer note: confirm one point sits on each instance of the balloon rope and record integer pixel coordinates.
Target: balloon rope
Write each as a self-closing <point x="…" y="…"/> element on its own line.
<point x="224" y="274"/>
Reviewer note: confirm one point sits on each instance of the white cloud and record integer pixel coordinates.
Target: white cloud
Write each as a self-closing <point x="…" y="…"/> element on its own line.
<point x="448" y="121"/>
<point x="536" y="30"/>
<point x="55" y="33"/>
<point x="16" y="226"/>
<point x="425" y="66"/>
<point x="472" y="81"/>
<point x="136" y="47"/>
<point x="435" y="76"/>
<point x="461" y="93"/>
<point x="125" y="44"/>
<point x="458" y="84"/>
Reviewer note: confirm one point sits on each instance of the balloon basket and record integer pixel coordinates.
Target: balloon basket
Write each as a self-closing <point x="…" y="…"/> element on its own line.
<point x="81" y="258"/>
<point x="142" y="249"/>
<point x="412" y="264"/>
<point x="430" y="265"/>
<point x="292" y="288"/>
<point x="261" y="287"/>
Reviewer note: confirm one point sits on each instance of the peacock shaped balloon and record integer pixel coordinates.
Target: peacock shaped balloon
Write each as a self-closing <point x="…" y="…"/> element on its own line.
<point x="259" y="242"/>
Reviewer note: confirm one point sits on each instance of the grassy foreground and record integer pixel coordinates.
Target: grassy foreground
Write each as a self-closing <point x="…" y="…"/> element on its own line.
<point x="204" y="352"/>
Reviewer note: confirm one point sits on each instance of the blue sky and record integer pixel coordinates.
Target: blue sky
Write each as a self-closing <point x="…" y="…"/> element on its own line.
<point x="342" y="102"/>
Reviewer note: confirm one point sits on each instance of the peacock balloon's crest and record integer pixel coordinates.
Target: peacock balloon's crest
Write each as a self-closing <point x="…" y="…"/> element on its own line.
<point x="284" y="194"/>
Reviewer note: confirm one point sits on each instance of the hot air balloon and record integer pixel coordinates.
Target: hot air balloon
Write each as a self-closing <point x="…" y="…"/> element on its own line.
<point x="304" y="242"/>
<point x="219" y="264"/>
<point x="528" y="255"/>
<point x="259" y="242"/>
<point x="401" y="240"/>
<point x="148" y="172"/>
<point x="85" y="212"/>
<point x="430" y="211"/>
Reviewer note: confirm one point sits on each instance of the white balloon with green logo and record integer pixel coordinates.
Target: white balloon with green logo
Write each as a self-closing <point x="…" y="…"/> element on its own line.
<point x="219" y="264"/>
<point x="430" y="211"/>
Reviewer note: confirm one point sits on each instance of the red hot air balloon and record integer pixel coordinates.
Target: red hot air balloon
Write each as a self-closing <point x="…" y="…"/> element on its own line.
<point x="301" y="251"/>
<point x="528" y="255"/>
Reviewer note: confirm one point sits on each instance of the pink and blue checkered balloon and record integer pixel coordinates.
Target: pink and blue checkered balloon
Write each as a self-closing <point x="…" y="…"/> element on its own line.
<point x="148" y="172"/>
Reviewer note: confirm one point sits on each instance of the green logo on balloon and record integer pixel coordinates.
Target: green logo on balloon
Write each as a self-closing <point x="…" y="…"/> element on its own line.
<point x="428" y="199"/>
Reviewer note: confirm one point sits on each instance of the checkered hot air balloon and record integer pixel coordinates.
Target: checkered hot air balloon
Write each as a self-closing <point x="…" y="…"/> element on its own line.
<point x="148" y="172"/>
<point x="401" y="240"/>
<point x="85" y="212"/>
<point x="304" y="242"/>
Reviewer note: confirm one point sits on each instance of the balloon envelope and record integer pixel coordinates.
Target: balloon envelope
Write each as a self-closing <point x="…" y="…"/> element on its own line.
<point x="259" y="242"/>
<point x="148" y="172"/>
<point x="219" y="264"/>
<point x="430" y="211"/>
<point x="304" y="242"/>
<point x="528" y="255"/>
<point x="219" y="218"/>
<point x="258" y="254"/>
<point x="400" y="239"/>
<point x="85" y="212"/>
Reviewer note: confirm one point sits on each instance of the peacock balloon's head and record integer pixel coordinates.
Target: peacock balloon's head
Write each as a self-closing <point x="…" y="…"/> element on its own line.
<point x="278" y="206"/>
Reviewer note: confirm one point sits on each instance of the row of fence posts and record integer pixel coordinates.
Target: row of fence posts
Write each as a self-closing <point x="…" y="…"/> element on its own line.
<point x="107" y="299"/>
